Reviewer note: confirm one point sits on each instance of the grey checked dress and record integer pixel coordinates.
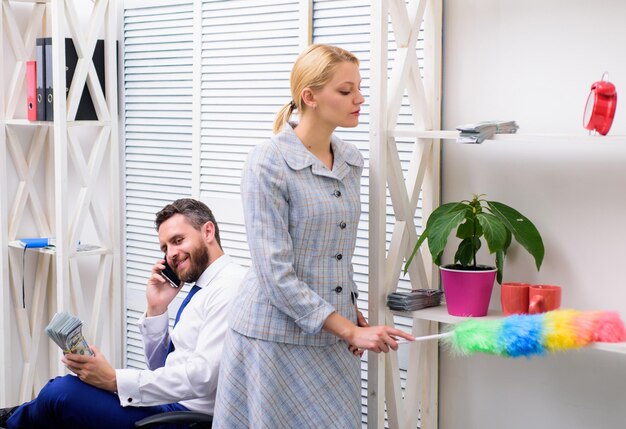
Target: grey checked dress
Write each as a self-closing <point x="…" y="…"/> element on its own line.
<point x="279" y="369"/>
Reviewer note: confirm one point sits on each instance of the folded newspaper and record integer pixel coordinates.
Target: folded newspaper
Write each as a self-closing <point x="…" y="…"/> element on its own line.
<point x="66" y="330"/>
<point x="480" y="131"/>
<point x="414" y="300"/>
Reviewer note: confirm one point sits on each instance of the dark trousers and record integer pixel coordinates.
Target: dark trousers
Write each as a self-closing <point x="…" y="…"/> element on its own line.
<point x="68" y="403"/>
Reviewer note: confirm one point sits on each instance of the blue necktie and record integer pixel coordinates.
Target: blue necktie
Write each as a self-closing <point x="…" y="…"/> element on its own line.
<point x="190" y="295"/>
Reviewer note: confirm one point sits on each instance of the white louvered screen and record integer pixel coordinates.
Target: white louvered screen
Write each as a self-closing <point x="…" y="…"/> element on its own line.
<point x="346" y="23"/>
<point x="158" y="68"/>
<point x="248" y="48"/>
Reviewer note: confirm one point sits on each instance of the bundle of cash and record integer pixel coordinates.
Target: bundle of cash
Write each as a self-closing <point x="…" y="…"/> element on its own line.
<point x="477" y="133"/>
<point x="414" y="300"/>
<point x="66" y="330"/>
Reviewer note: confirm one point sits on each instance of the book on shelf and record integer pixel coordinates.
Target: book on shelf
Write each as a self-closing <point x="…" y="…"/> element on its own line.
<point x="40" y="73"/>
<point x="86" y="109"/>
<point x="31" y="90"/>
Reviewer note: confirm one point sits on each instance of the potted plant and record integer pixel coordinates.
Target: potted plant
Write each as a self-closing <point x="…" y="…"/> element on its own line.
<point x="468" y="285"/>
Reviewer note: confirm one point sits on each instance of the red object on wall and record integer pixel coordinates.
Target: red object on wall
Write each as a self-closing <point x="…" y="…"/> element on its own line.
<point x="31" y="90"/>
<point x="600" y="108"/>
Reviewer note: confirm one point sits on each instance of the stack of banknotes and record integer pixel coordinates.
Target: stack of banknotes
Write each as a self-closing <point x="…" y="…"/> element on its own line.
<point x="65" y="329"/>
<point x="481" y="131"/>
<point x="414" y="300"/>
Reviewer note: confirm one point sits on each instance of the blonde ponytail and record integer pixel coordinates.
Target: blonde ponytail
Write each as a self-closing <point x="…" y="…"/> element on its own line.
<point x="313" y="69"/>
<point x="283" y="115"/>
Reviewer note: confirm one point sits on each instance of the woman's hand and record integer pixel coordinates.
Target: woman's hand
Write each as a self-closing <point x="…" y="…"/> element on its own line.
<point x="373" y="338"/>
<point x="377" y="338"/>
<point x="360" y="321"/>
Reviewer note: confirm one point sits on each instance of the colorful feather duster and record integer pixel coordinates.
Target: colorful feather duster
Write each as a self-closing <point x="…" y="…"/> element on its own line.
<point x="527" y="335"/>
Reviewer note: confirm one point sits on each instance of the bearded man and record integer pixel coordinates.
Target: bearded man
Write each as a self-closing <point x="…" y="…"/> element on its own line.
<point x="183" y="364"/>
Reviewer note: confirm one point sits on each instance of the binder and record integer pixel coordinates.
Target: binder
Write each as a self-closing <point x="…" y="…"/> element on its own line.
<point x="40" y="73"/>
<point x="48" y="78"/>
<point x="31" y="90"/>
<point x="86" y="109"/>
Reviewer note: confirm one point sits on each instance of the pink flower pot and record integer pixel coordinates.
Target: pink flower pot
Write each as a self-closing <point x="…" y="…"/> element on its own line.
<point x="467" y="292"/>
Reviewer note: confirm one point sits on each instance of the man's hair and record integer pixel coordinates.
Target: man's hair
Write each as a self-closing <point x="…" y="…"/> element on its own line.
<point x="196" y="212"/>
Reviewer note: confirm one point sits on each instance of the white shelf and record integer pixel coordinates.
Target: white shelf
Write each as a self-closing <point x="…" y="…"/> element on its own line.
<point x="27" y="123"/>
<point x="440" y="314"/>
<point x="408" y="132"/>
<point x="81" y="250"/>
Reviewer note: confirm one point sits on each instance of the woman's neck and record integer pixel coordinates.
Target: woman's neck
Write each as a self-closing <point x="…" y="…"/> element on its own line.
<point x="316" y="138"/>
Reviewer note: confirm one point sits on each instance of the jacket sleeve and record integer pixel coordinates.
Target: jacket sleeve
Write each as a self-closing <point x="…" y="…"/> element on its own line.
<point x="266" y="209"/>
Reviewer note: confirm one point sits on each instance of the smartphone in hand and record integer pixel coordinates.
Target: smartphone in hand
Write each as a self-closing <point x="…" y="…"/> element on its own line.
<point x="169" y="275"/>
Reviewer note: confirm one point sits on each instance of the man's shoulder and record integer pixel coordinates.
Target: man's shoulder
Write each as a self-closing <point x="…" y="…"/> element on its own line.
<point x="226" y="283"/>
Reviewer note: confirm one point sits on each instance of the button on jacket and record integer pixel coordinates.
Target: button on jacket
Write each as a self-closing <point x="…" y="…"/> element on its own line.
<point x="190" y="372"/>
<point x="301" y="224"/>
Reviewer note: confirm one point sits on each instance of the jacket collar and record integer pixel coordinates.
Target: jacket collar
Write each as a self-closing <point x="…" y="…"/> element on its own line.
<point x="298" y="157"/>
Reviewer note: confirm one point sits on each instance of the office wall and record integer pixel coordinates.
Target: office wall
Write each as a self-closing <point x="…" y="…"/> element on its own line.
<point x="534" y="62"/>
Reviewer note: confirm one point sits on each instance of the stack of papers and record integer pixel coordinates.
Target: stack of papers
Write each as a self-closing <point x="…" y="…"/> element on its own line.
<point x="66" y="330"/>
<point x="414" y="300"/>
<point x="477" y="133"/>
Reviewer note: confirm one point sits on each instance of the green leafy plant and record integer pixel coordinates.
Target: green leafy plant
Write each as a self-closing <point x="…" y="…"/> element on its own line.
<point x="497" y="223"/>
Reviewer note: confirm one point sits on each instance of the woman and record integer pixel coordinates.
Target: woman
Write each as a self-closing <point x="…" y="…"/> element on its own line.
<point x="291" y="359"/>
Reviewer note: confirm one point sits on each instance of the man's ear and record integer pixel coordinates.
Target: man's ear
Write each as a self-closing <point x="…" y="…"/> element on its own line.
<point x="308" y="98"/>
<point x="208" y="232"/>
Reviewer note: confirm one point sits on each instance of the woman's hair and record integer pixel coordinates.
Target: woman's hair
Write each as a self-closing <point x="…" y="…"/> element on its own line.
<point x="314" y="68"/>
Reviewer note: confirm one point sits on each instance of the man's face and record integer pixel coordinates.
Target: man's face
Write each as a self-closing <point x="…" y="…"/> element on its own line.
<point x="185" y="248"/>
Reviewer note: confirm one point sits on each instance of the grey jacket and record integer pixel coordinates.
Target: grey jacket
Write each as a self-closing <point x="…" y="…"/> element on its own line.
<point x="301" y="223"/>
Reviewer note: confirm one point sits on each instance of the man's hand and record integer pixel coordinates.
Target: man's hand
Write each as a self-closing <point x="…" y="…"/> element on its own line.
<point x="94" y="370"/>
<point x="159" y="293"/>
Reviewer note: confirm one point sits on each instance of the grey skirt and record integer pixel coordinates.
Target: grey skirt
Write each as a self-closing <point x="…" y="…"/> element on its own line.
<point x="263" y="384"/>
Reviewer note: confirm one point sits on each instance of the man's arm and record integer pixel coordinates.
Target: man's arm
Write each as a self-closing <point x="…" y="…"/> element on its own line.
<point x="153" y="324"/>
<point x="187" y="376"/>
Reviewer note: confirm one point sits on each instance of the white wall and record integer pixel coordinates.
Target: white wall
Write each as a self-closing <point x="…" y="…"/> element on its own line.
<point x="534" y="62"/>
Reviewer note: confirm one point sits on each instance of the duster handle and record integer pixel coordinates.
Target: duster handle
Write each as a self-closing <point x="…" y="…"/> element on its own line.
<point x="426" y="338"/>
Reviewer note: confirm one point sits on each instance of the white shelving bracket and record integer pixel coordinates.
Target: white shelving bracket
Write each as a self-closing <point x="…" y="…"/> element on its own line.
<point x="419" y="398"/>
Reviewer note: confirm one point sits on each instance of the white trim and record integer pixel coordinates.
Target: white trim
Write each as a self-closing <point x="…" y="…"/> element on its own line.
<point x="196" y="105"/>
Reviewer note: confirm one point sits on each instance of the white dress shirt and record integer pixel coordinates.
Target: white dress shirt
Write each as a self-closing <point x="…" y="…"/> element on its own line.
<point x="189" y="376"/>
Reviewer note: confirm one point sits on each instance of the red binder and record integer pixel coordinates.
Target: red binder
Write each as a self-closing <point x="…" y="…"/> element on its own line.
<point x="31" y="90"/>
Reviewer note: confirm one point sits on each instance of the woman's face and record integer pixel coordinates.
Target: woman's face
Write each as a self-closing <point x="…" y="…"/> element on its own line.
<point x="339" y="101"/>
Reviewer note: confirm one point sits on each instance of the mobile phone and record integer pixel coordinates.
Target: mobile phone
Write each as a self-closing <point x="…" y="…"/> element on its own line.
<point x="169" y="275"/>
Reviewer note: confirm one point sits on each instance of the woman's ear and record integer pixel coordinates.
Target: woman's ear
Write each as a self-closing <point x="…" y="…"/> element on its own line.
<point x="308" y="98"/>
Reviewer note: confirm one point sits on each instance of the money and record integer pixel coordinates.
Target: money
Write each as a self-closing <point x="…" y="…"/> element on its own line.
<point x="415" y="299"/>
<point x="65" y="330"/>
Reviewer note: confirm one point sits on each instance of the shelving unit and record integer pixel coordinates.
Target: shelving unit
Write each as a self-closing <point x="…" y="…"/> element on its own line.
<point x="421" y="82"/>
<point x="67" y="180"/>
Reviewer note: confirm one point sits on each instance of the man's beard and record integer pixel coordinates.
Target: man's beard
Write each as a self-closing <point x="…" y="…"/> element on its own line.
<point x="198" y="262"/>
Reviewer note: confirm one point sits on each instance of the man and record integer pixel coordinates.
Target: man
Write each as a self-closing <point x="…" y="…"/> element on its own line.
<point x="183" y="365"/>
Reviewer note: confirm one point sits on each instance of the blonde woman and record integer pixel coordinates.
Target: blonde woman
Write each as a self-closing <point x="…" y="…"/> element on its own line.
<point x="292" y="356"/>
